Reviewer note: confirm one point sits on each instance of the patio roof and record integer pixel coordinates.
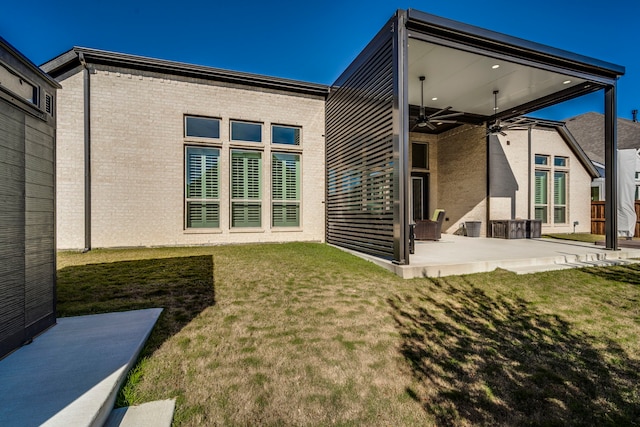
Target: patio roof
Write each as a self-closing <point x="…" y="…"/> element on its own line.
<point x="463" y="65"/>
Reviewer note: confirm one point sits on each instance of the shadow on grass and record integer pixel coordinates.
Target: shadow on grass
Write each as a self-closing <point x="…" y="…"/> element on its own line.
<point x="629" y="273"/>
<point x="183" y="286"/>
<point x="479" y="360"/>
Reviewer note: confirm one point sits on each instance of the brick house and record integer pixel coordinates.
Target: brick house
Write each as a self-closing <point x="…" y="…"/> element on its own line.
<point x="154" y="152"/>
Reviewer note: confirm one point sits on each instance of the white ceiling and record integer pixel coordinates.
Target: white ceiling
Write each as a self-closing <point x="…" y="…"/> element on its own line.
<point x="466" y="81"/>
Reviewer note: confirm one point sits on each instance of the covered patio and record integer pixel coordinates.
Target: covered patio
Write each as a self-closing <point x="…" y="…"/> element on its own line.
<point x="428" y="79"/>
<point x="453" y="255"/>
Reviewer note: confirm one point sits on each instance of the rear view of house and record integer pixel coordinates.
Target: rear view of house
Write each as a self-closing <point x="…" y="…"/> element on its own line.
<point x="428" y="116"/>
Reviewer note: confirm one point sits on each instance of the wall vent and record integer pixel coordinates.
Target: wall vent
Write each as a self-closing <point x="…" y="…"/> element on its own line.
<point x="48" y="104"/>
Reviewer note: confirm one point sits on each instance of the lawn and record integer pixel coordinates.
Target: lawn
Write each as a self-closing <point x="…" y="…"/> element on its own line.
<point x="305" y="334"/>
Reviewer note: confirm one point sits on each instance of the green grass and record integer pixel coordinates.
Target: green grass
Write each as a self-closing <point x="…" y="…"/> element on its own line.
<point x="304" y="334"/>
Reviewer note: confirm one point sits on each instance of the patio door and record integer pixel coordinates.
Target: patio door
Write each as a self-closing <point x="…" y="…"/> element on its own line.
<point x="419" y="196"/>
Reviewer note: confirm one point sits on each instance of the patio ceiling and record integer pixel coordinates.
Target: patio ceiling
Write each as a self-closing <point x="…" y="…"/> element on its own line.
<point x="463" y="65"/>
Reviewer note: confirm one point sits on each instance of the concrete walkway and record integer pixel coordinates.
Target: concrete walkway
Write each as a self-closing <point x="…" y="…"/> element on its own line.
<point x="70" y="375"/>
<point x="453" y="255"/>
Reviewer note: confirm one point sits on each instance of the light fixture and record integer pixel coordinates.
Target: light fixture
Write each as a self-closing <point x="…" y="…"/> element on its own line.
<point x="435" y="98"/>
<point x="566" y="82"/>
<point x="496" y="66"/>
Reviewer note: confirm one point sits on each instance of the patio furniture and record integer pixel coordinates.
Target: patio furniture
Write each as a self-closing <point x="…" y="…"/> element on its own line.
<point x="426" y="229"/>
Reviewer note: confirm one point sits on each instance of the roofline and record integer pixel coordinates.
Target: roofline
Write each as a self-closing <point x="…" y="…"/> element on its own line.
<point x="519" y="48"/>
<point x="577" y="150"/>
<point x="27" y="62"/>
<point x="69" y="59"/>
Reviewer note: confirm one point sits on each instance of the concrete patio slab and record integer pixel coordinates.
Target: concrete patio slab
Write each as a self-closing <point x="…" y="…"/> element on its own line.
<point x="454" y="255"/>
<point x="70" y="375"/>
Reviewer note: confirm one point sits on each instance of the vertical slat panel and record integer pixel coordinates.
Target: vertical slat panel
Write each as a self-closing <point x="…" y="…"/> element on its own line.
<point x="39" y="221"/>
<point x="359" y="135"/>
<point x="12" y="238"/>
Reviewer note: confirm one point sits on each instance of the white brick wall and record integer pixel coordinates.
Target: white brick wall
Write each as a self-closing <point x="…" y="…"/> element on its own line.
<point x="70" y="164"/>
<point x="137" y="151"/>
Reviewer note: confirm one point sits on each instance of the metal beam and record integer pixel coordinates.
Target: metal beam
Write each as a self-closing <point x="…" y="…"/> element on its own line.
<point x="611" y="168"/>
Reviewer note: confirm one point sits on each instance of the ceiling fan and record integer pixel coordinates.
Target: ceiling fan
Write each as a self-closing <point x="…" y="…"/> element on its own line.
<point x="438" y="117"/>
<point x="498" y="127"/>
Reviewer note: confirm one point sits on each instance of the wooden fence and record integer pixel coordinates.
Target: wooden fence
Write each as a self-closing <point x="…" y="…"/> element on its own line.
<point x="597" y="218"/>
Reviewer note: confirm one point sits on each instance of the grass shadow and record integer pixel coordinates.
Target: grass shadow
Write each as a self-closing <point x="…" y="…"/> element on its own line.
<point x="482" y="360"/>
<point x="629" y="273"/>
<point x="183" y="286"/>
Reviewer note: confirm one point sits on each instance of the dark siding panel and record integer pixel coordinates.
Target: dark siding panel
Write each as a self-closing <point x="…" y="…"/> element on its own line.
<point x="39" y="221"/>
<point x="12" y="236"/>
<point x="359" y="135"/>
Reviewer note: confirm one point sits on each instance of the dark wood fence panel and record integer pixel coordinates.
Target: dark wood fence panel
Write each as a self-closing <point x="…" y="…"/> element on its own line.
<point x="597" y="218"/>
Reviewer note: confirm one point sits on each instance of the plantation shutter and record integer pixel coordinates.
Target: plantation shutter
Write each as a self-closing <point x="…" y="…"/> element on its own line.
<point x="541" y="197"/>
<point x="559" y="197"/>
<point x="246" y="189"/>
<point x="203" y="187"/>
<point x="285" y="182"/>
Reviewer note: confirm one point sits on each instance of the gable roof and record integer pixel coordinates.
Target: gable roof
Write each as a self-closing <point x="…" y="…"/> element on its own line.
<point x="71" y="59"/>
<point x="588" y="130"/>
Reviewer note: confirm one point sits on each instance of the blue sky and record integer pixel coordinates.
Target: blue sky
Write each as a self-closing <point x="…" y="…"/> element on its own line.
<point x="315" y="41"/>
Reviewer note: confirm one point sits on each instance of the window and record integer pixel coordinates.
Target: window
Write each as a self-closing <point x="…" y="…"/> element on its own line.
<point x="201" y="127"/>
<point x="288" y="135"/>
<point x="541" y="195"/>
<point x="560" y="161"/>
<point x="246" y="189"/>
<point x="16" y="84"/>
<point x="245" y="131"/>
<point x="285" y="190"/>
<point x="419" y="156"/>
<point x="551" y="198"/>
<point x="560" y="197"/>
<point x="202" y="192"/>
<point x="542" y="160"/>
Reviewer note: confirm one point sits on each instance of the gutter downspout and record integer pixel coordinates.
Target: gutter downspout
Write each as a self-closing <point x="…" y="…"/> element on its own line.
<point x="87" y="153"/>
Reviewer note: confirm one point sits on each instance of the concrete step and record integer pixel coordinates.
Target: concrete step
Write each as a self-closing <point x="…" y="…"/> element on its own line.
<point x="71" y="374"/>
<point x="151" y="414"/>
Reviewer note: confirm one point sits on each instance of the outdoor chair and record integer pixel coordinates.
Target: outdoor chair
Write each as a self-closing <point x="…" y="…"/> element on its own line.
<point x="426" y="229"/>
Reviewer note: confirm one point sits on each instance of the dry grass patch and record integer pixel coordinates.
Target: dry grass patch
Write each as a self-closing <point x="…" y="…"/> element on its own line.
<point x="304" y="334"/>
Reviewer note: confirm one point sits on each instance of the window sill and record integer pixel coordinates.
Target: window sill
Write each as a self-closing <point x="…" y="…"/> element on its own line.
<point x="287" y="229"/>
<point x="246" y="230"/>
<point x="202" y="231"/>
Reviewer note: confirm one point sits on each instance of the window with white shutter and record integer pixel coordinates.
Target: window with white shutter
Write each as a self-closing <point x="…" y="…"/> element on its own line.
<point x="285" y="190"/>
<point x="246" y="189"/>
<point x="202" y="192"/>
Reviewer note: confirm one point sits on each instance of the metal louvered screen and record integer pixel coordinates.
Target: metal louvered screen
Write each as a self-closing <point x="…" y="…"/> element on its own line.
<point x="360" y="154"/>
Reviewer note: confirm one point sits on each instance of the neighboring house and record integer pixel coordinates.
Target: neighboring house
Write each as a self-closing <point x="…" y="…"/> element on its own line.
<point x="544" y="175"/>
<point x="588" y="129"/>
<point x="154" y="152"/>
<point x="27" y="199"/>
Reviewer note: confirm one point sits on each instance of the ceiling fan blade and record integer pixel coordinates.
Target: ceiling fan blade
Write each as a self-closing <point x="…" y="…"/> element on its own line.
<point x="446" y="116"/>
<point x="430" y="126"/>
<point x="439" y="112"/>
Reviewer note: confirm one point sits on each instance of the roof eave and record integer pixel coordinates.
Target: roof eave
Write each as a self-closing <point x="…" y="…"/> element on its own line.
<point x="69" y="59"/>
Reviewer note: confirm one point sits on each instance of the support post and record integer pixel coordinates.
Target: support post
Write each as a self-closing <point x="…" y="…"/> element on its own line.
<point x="611" y="168"/>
